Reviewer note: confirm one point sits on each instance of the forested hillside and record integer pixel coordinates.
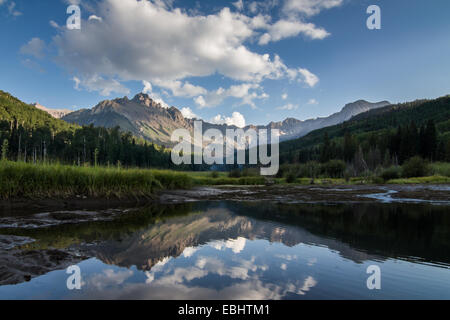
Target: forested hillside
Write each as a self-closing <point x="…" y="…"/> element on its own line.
<point x="391" y="134"/>
<point x="32" y="135"/>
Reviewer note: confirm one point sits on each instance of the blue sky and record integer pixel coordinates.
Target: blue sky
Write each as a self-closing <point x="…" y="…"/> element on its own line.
<point x="263" y="61"/>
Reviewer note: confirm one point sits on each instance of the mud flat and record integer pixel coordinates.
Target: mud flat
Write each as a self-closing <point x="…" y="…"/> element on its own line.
<point x="437" y="194"/>
<point x="19" y="265"/>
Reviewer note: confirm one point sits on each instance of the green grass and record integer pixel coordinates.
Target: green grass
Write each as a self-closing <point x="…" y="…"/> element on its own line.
<point x="441" y="168"/>
<point x="22" y="180"/>
<point x="422" y="180"/>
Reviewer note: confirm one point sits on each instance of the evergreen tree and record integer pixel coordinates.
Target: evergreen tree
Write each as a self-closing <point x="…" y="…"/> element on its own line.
<point x="5" y="149"/>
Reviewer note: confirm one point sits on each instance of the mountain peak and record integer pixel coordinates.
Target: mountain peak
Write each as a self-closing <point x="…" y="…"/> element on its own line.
<point x="144" y="99"/>
<point x="363" y="104"/>
<point x="55" y="113"/>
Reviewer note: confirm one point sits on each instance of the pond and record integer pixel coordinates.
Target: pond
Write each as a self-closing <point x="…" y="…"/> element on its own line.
<point x="229" y="250"/>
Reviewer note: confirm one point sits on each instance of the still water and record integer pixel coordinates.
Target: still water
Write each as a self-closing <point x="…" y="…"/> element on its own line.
<point x="229" y="250"/>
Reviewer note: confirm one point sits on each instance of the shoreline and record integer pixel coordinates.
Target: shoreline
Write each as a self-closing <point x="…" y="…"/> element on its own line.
<point x="292" y="193"/>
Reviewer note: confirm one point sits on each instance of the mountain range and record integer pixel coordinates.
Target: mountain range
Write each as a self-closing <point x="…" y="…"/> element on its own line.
<point x="55" y="113"/>
<point x="145" y="118"/>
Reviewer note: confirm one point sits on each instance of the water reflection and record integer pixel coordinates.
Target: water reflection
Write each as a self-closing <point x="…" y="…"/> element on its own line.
<point x="228" y="250"/>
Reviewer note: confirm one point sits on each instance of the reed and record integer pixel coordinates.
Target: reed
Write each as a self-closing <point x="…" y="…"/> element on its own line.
<point x="37" y="181"/>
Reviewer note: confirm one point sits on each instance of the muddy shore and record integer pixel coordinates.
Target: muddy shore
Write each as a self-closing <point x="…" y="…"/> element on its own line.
<point x="438" y="194"/>
<point x="282" y="193"/>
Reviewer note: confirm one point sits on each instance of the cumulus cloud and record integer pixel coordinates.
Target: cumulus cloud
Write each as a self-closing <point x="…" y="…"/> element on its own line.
<point x="309" y="7"/>
<point x="188" y="46"/>
<point x="236" y="119"/>
<point x="200" y="101"/>
<point x="148" y="89"/>
<point x="188" y="113"/>
<point x="180" y="89"/>
<point x="284" y="96"/>
<point x="239" y="5"/>
<point x="189" y="252"/>
<point x="122" y="48"/>
<point x="35" y="47"/>
<point x="308" y="77"/>
<point x="256" y="7"/>
<point x="313" y="101"/>
<point x="97" y="83"/>
<point x="246" y="92"/>
<point x="291" y="28"/>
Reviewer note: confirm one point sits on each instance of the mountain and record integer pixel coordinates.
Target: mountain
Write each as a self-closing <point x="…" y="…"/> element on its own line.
<point x="292" y="128"/>
<point x="55" y="113"/>
<point x="147" y="119"/>
<point x="141" y="116"/>
<point x="34" y="135"/>
<point x="380" y="127"/>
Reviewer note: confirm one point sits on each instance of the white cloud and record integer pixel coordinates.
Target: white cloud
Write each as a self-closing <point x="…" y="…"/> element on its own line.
<point x="200" y="101"/>
<point x="288" y="107"/>
<point x="309" y="7"/>
<point x="246" y="92"/>
<point x="148" y="89"/>
<point x="308" y="77"/>
<point x="292" y="28"/>
<point x="237" y="119"/>
<point x="180" y="89"/>
<point x="284" y="96"/>
<point x="188" y="113"/>
<point x="189" y="251"/>
<point x="239" y="5"/>
<point x="313" y="101"/>
<point x="35" y="47"/>
<point x="188" y="45"/>
<point x="54" y="24"/>
<point x="97" y="83"/>
<point x="94" y="17"/>
<point x="256" y="7"/>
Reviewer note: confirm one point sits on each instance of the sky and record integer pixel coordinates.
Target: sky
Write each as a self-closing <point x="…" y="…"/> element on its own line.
<point x="237" y="62"/>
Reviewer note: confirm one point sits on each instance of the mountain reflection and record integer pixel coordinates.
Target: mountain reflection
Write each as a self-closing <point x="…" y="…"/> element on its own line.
<point x="358" y="233"/>
<point x="231" y="250"/>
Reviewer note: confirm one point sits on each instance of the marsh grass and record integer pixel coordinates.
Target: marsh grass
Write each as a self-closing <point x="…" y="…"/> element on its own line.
<point x="22" y="180"/>
<point x="441" y="168"/>
<point x="421" y="180"/>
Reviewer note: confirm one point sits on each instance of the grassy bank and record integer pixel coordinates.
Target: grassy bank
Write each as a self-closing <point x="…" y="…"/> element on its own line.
<point x="20" y="180"/>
